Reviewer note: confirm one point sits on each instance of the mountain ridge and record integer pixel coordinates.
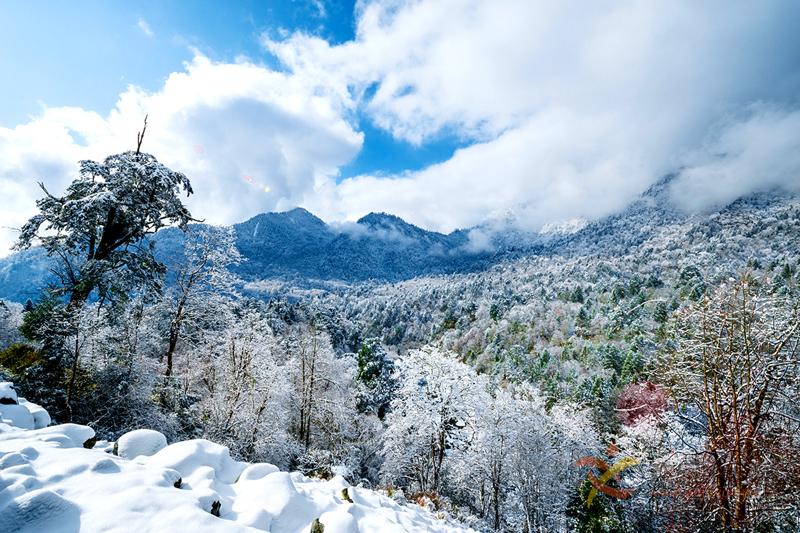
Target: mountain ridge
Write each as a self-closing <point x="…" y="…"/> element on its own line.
<point x="298" y="247"/>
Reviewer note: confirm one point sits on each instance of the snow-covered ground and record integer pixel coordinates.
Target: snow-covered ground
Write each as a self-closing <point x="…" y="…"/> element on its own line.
<point x="58" y="479"/>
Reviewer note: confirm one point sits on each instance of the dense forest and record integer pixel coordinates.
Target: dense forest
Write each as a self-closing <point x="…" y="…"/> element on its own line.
<point x="642" y="374"/>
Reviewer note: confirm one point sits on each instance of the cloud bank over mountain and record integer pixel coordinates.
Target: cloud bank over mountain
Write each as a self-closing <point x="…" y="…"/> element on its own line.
<point x="565" y="110"/>
<point x="573" y="109"/>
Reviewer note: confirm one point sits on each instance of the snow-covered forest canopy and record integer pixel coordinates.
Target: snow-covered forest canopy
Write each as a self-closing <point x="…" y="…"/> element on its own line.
<point x="623" y="379"/>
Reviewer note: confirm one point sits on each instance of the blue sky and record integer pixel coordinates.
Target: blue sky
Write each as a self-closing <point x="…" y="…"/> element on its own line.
<point x="448" y="113"/>
<point x="85" y="53"/>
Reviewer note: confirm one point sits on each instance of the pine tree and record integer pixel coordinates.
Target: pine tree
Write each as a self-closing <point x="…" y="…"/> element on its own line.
<point x="375" y="373"/>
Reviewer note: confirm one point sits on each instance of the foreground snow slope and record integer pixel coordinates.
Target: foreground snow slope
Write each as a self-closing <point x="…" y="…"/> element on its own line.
<point x="50" y="482"/>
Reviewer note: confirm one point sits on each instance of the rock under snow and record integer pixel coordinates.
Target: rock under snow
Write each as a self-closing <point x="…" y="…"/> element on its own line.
<point x="41" y="418"/>
<point x="138" y="442"/>
<point x="18" y="412"/>
<point x="16" y="415"/>
<point x="7" y="393"/>
<point x="198" y="459"/>
<point x="257" y="471"/>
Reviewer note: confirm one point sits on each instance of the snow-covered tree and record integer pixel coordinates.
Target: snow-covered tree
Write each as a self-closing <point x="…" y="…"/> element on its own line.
<point x="246" y="392"/>
<point x="10" y="322"/>
<point x="375" y="370"/>
<point x="199" y="276"/>
<point x="98" y="231"/>
<point x="323" y="395"/>
<point x="433" y="413"/>
<point x="542" y="459"/>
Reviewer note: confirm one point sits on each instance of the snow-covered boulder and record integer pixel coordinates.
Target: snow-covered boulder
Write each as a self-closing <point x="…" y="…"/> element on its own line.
<point x="16" y="415"/>
<point x="257" y="471"/>
<point x="41" y="418"/>
<point x="17" y="412"/>
<point x="67" y="435"/>
<point x="138" y="442"/>
<point x="340" y="519"/>
<point x="40" y="510"/>
<point x="198" y="459"/>
<point x="7" y="393"/>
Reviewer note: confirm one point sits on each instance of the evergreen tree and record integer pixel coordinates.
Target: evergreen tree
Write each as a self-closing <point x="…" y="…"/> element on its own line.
<point x="98" y="231"/>
<point x="375" y="372"/>
<point x="602" y="516"/>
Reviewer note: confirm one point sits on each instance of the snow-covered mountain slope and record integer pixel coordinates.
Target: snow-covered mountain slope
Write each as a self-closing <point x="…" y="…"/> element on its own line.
<point x="58" y="479"/>
<point x="23" y="274"/>
<point x="299" y="249"/>
<point x="486" y="312"/>
<point x="297" y="245"/>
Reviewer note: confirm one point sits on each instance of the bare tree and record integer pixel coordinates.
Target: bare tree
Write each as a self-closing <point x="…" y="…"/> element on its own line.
<point x="735" y="362"/>
<point x="321" y="396"/>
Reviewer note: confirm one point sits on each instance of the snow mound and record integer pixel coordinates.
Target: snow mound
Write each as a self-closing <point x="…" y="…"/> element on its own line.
<point x="18" y="412"/>
<point x="41" y="510"/>
<point x="257" y="471"/>
<point x="41" y="418"/>
<point x="51" y="479"/>
<point x="197" y="460"/>
<point x="64" y="435"/>
<point x="16" y="415"/>
<point x="7" y="393"/>
<point x="140" y="442"/>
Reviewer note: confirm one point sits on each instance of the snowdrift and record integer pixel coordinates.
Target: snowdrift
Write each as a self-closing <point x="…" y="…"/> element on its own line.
<point x="59" y="479"/>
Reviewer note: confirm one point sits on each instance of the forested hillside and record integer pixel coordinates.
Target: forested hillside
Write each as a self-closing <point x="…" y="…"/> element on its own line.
<point x="638" y="374"/>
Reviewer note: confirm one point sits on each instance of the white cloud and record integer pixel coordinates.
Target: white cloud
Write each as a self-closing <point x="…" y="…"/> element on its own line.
<point x="757" y="153"/>
<point x="41" y="150"/>
<point x="145" y="27"/>
<point x="529" y="170"/>
<point x="576" y="107"/>
<point x="249" y="138"/>
<point x="484" y="66"/>
<point x="319" y="5"/>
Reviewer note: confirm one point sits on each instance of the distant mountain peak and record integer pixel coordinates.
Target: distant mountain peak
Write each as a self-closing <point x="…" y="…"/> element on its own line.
<point x="296" y="215"/>
<point x="382" y="219"/>
<point x="298" y="212"/>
